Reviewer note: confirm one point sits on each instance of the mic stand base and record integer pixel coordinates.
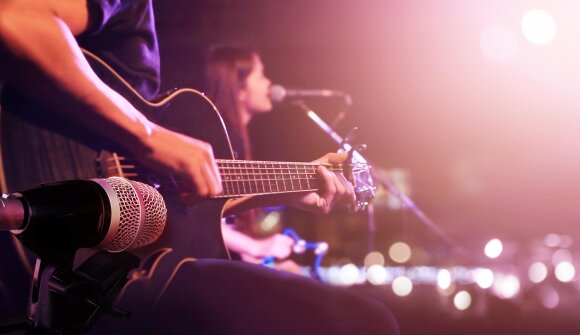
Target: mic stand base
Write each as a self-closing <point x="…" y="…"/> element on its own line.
<point x="67" y="301"/>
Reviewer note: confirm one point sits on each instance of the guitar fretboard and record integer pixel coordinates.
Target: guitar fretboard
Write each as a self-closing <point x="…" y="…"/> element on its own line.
<point x="240" y="178"/>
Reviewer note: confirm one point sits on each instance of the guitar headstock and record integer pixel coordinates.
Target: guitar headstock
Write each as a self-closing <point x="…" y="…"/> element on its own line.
<point x="358" y="173"/>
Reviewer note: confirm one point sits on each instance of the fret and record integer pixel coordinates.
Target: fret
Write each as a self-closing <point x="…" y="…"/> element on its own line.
<point x="307" y="176"/>
<point x="281" y="177"/>
<point x="243" y="173"/>
<point x="296" y="174"/>
<point x="303" y="177"/>
<point x="240" y="179"/>
<point x="272" y="176"/>
<point x="232" y="172"/>
<point x="248" y="176"/>
<point x="277" y="177"/>
<point x="261" y="167"/>
<point x="291" y="177"/>
<point x="292" y="173"/>
<point x="225" y="179"/>
<point x="254" y="175"/>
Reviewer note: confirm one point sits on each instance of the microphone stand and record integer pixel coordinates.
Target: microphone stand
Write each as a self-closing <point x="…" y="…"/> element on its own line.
<point x="66" y="301"/>
<point x="383" y="181"/>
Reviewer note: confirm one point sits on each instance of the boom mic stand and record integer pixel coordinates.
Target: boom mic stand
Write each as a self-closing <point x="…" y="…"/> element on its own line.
<point x="344" y="144"/>
<point x="66" y="301"/>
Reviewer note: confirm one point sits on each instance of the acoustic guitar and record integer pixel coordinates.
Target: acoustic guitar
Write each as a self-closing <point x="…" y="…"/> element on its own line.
<point x="191" y="230"/>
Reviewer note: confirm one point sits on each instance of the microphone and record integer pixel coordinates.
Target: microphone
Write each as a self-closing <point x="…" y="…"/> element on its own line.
<point x="278" y="93"/>
<point x="114" y="214"/>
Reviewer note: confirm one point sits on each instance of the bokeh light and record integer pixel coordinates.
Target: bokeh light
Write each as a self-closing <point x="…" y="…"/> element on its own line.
<point x="565" y="271"/>
<point x="444" y="279"/>
<point x="483" y="278"/>
<point x="374" y="258"/>
<point x="462" y="300"/>
<point x="349" y="274"/>
<point x="552" y="240"/>
<point x="539" y="27"/>
<point x="400" y="252"/>
<point x="506" y="286"/>
<point x="376" y="274"/>
<point x="549" y="297"/>
<point x="493" y="248"/>
<point x="402" y="286"/>
<point x="537" y="272"/>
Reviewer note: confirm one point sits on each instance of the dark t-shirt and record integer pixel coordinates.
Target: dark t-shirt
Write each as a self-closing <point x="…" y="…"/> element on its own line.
<point x="36" y="144"/>
<point x="123" y="34"/>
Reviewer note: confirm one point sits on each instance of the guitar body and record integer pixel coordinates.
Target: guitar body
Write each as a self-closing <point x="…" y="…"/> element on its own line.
<point x="191" y="230"/>
<point x="38" y="147"/>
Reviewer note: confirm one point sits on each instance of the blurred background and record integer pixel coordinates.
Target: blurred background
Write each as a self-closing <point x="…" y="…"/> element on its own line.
<point x="470" y="107"/>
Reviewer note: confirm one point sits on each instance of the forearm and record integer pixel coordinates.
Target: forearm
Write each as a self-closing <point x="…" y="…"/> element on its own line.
<point x="238" y="242"/>
<point x="42" y="59"/>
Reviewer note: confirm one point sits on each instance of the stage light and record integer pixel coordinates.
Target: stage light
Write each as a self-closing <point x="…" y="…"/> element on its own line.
<point x="506" y="286"/>
<point x="376" y="274"/>
<point x="349" y="274"/>
<point x="444" y="279"/>
<point x="373" y="258"/>
<point x="483" y="277"/>
<point x="499" y="43"/>
<point x="493" y="248"/>
<point x="538" y="26"/>
<point x="462" y="300"/>
<point x="402" y="286"/>
<point x="400" y="252"/>
<point x="565" y="271"/>
<point x="537" y="272"/>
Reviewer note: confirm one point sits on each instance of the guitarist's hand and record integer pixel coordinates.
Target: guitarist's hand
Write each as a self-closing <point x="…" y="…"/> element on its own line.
<point x="336" y="190"/>
<point x="178" y="154"/>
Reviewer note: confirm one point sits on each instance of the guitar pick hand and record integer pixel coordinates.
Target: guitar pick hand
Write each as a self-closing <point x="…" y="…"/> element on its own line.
<point x="184" y="156"/>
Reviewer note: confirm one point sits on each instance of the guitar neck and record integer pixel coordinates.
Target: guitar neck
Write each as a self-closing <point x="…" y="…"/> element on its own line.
<point x="241" y="178"/>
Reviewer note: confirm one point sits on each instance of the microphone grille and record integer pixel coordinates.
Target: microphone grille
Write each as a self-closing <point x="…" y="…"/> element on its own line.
<point x="138" y="214"/>
<point x="277" y="93"/>
<point x="155" y="215"/>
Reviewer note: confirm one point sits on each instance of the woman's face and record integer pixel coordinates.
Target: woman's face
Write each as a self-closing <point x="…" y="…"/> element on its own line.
<point x="255" y="97"/>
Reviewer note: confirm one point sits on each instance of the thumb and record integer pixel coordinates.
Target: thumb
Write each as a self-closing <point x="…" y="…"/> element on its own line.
<point x="333" y="158"/>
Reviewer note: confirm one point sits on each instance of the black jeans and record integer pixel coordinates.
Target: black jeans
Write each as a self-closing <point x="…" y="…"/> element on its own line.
<point x="228" y="297"/>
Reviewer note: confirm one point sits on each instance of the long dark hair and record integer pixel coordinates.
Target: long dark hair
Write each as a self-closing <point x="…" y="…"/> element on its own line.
<point x="228" y="67"/>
